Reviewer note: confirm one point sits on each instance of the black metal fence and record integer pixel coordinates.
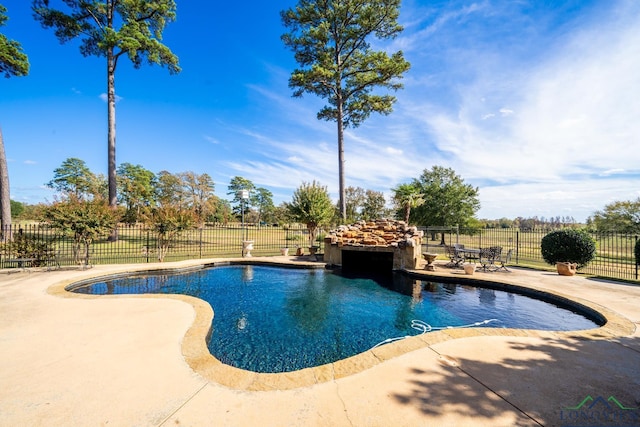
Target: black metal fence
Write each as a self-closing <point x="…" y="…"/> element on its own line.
<point x="39" y="245"/>
<point x="135" y="244"/>
<point x="614" y="251"/>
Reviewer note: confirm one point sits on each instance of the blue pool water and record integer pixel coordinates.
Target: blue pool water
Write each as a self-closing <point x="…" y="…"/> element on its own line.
<point x="269" y="319"/>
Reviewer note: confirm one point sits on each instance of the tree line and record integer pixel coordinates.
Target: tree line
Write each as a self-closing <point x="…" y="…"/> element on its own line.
<point x="331" y="42"/>
<point x="169" y="203"/>
<point x="438" y="197"/>
<point x="444" y="198"/>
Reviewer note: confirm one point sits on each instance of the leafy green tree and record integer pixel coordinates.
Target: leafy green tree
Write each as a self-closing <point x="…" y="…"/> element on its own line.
<point x="236" y="185"/>
<point x="620" y="216"/>
<point x="407" y="197"/>
<point x="101" y="187"/>
<point x="13" y="62"/>
<point x="282" y="215"/>
<point x="311" y="205"/>
<point x="330" y="40"/>
<point x="198" y="191"/>
<point x="137" y="188"/>
<point x="169" y="189"/>
<point x="17" y="208"/>
<point x="74" y="179"/>
<point x="189" y="190"/>
<point x="167" y="222"/>
<point x="354" y="199"/>
<point x="222" y="213"/>
<point x="113" y="29"/>
<point x="448" y="200"/>
<point x="505" y="223"/>
<point x="83" y="221"/>
<point x="30" y="212"/>
<point x="374" y="205"/>
<point x="264" y="204"/>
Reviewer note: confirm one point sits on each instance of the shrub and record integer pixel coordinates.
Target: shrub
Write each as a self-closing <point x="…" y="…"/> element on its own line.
<point x="294" y="237"/>
<point x="568" y="245"/>
<point x="26" y="246"/>
<point x="167" y="222"/>
<point x="83" y="221"/>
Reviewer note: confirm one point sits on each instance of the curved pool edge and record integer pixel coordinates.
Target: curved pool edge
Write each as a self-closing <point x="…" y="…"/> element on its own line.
<point x="196" y="353"/>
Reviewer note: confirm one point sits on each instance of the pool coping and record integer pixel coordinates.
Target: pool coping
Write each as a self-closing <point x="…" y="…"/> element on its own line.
<point x="196" y="353"/>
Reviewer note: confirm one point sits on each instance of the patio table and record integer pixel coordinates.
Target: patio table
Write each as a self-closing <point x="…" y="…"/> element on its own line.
<point x="469" y="253"/>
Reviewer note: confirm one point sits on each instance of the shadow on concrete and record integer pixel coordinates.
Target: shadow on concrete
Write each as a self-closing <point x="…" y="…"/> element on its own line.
<point x="542" y="378"/>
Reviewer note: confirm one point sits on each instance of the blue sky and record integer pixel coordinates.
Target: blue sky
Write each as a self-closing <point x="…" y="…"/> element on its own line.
<point x="537" y="103"/>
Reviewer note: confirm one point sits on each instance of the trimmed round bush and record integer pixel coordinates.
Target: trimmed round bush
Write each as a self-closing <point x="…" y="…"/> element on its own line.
<point x="568" y="245"/>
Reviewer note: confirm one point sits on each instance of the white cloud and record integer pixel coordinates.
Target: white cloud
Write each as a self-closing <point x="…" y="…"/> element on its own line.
<point x="572" y="105"/>
<point x="577" y="198"/>
<point x="541" y="134"/>
<point x="430" y="23"/>
<point x="615" y="171"/>
<point x="576" y="120"/>
<point x="211" y="139"/>
<point x="105" y="98"/>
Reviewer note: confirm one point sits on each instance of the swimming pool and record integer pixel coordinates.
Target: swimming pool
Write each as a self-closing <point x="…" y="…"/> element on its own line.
<point x="270" y="319"/>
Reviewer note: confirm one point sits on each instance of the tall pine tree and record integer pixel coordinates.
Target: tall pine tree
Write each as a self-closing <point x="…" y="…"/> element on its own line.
<point x="330" y="41"/>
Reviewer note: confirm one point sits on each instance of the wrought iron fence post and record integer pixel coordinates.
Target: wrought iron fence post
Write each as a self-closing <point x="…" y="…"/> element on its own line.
<point x="517" y="245"/>
<point x="148" y="248"/>
<point x="201" y="241"/>
<point x="635" y="243"/>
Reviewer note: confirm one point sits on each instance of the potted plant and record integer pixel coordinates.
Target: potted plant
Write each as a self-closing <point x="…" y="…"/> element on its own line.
<point x="568" y="249"/>
<point x="469" y="267"/>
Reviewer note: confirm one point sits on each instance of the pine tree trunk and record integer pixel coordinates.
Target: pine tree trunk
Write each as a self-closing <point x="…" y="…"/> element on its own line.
<point x="343" y="199"/>
<point x="111" y="137"/>
<point x="5" y="195"/>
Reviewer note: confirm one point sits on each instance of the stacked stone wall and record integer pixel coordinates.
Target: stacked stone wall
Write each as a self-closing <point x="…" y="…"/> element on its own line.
<point x="382" y="235"/>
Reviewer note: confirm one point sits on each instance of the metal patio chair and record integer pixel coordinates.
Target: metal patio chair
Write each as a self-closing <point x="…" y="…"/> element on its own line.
<point x="488" y="257"/>
<point x="456" y="259"/>
<point x="504" y="261"/>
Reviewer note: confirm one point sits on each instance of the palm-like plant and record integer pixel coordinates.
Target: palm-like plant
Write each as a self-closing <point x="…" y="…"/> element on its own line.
<point x="407" y="197"/>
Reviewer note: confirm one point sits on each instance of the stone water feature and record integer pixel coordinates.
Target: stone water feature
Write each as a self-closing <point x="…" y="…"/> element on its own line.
<point x="383" y="244"/>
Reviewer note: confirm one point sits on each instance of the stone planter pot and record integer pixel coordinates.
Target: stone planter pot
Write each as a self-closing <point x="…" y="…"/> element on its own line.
<point x="566" y="268"/>
<point x="247" y="247"/>
<point x="429" y="258"/>
<point x="284" y="251"/>
<point x="469" y="268"/>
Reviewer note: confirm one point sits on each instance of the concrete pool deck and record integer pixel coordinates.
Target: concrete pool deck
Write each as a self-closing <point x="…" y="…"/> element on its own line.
<point x="68" y="359"/>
